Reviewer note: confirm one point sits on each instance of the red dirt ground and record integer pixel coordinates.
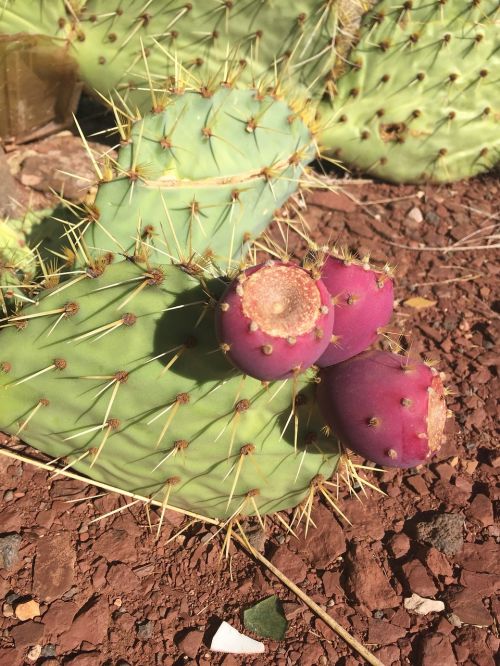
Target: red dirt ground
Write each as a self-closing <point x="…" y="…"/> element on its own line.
<point x="110" y="595"/>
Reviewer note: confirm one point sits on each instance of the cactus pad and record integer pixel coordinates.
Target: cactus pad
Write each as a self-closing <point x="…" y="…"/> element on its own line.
<point x="421" y="99"/>
<point x="17" y="263"/>
<point x="202" y="176"/>
<point x="239" y="41"/>
<point x="119" y="372"/>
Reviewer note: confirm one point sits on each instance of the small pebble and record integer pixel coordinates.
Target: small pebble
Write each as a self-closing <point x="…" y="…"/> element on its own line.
<point x="34" y="653"/>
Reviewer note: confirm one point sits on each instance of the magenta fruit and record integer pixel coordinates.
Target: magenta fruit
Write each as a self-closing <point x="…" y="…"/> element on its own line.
<point x="386" y="407"/>
<point x="363" y="300"/>
<point x="274" y="320"/>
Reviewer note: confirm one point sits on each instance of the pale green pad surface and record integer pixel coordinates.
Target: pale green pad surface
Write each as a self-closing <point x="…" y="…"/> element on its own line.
<point x="206" y="469"/>
<point x="388" y="123"/>
<point x="203" y="193"/>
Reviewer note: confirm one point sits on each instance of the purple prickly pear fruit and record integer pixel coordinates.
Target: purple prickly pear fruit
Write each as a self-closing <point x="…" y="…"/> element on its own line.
<point x="363" y="300"/>
<point x="385" y="407"/>
<point x="274" y="320"/>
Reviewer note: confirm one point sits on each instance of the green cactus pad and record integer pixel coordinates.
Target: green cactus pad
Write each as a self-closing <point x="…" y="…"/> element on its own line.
<point x="37" y="18"/>
<point x="13" y="249"/>
<point x="241" y="41"/>
<point x="126" y="361"/>
<point x="421" y="101"/>
<point x="204" y="175"/>
<point x="22" y="268"/>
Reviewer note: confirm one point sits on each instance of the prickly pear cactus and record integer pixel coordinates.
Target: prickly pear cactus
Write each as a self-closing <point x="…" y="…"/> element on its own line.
<point x="202" y="176"/>
<point x="421" y="100"/>
<point x="118" y="371"/>
<point x="234" y="40"/>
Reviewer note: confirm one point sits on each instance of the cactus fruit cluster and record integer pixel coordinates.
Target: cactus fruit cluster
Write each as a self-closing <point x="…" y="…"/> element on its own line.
<point x="420" y="100"/>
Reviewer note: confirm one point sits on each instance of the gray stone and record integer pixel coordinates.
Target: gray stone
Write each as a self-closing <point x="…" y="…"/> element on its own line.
<point x="144" y="629"/>
<point x="444" y="531"/>
<point x="9" y="550"/>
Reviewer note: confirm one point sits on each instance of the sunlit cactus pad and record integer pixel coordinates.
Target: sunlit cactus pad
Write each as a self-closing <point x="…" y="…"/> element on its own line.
<point x="202" y="176"/>
<point x="421" y="100"/>
<point x="119" y="373"/>
<point x="239" y="41"/>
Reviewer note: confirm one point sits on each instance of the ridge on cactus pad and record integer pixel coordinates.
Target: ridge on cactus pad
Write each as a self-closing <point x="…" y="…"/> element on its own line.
<point x="202" y="176"/>
<point x="421" y="99"/>
<point x="118" y="371"/>
<point x="386" y="407"/>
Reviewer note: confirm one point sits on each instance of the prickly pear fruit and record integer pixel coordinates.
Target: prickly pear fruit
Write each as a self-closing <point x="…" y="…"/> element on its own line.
<point x="202" y="176"/>
<point x="420" y="100"/>
<point x="386" y="407"/>
<point x="363" y="300"/>
<point x="274" y="320"/>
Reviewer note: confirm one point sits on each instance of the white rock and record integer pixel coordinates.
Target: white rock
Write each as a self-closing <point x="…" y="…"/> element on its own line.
<point x="228" y="639"/>
<point x="423" y="606"/>
<point x="34" y="653"/>
<point x="7" y="610"/>
<point x="415" y="214"/>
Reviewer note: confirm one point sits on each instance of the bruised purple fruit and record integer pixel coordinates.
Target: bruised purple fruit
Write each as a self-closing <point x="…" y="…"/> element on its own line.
<point x="363" y="300"/>
<point x="385" y="407"/>
<point x="274" y="320"/>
